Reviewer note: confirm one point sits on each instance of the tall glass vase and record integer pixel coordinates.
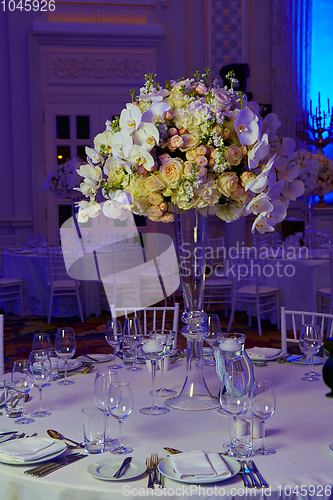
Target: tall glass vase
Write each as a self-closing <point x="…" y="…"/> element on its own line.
<point x="190" y="230"/>
<point x="308" y="226"/>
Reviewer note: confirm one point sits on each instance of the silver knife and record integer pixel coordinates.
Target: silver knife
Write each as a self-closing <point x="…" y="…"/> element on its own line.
<point x="248" y="471"/>
<point x="254" y="468"/>
<point x="123" y="468"/>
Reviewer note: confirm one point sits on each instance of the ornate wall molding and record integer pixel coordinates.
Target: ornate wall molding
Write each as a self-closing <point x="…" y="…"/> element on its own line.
<point x="291" y="40"/>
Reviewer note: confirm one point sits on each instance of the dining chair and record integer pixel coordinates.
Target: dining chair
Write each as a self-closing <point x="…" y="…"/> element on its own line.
<point x="325" y="295"/>
<point x="7" y="241"/>
<point x="249" y="292"/>
<point x="299" y="318"/>
<point x="2" y="368"/>
<point x="11" y="289"/>
<point x="116" y="283"/>
<point x="218" y="288"/>
<point x="59" y="283"/>
<point x="152" y="318"/>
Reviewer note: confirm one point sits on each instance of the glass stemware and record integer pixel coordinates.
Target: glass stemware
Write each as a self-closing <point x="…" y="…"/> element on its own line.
<point x="169" y="336"/>
<point x="102" y="384"/>
<point x="309" y="342"/>
<point x="213" y="328"/>
<point x="120" y="406"/>
<point x="263" y="404"/>
<point x="41" y="371"/>
<point x="153" y="348"/>
<point x="132" y="338"/>
<point x="41" y="342"/>
<point x="65" y="346"/>
<point x="22" y="383"/>
<point x="113" y="336"/>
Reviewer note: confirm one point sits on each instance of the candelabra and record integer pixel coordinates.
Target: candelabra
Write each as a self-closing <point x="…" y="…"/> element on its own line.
<point x="316" y="129"/>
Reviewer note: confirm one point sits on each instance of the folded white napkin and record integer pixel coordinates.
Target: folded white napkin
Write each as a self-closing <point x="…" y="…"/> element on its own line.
<point x="199" y="465"/>
<point x="25" y="450"/>
<point x="262" y="352"/>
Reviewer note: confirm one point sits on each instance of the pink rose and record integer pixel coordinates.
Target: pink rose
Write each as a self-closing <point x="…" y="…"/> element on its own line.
<point x="176" y="141"/>
<point x="202" y="161"/>
<point x="227" y="183"/>
<point x="171" y="171"/>
<point x="221" y="98"/>
<point x="233" y="154"/>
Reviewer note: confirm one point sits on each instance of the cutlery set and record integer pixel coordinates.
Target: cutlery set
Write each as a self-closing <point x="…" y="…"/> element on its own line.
<point x="49" y="467"/>
<point x="154" y="476"/>
<point x="251" y="475"/>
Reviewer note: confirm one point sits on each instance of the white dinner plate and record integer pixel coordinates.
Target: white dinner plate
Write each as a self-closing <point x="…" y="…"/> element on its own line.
<point x="302" y="360"/>
<point x="98" y="358"/>
<point x="105" y="469"/>
<point x="253" y="357"/>
<point x="165" y="468"/>
<point x="72" y="364"/>
<point x="37" y="461"/>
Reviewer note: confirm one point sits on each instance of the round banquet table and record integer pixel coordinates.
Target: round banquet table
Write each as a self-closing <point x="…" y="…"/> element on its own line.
<point x="33" y="268"/>
<point x="300" y="431"/>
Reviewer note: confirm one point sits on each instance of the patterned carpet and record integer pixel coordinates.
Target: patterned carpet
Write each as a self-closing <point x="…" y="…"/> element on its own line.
<point x="19" y="333"/>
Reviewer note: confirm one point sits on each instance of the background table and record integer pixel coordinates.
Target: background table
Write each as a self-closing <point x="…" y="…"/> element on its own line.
<point x="300" y="431"/>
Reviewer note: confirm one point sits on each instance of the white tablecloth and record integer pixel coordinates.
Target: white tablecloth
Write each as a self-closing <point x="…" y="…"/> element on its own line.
<point x="300" y="431"/>
<point x="33" y="268"/>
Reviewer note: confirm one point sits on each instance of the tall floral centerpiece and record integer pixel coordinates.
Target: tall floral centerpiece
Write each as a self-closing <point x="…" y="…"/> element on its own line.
<point x="63" y="178"/>
<point x="178" y="153"/>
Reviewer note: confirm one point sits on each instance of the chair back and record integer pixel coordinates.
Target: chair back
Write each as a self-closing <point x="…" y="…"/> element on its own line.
<point x="57" y="267"/>
<point x="2" y="368"/>
<point x="153" y="318"/>
<point x="7" y="241"/>
<point x="299" y="318"/>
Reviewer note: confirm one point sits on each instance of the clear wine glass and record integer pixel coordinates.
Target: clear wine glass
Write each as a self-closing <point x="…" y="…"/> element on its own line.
<point x="213" y="328"/>
<point x="113" y="336"/>
<point x="22" y="383"/>
<point x="132" y="338"/>
<point x="65" y="346"/>
<point x="41" y="342"/>
<point x="234" y="396"/>
<point x="41" y="372"/>
<point x="153" y="348"/>
<point x="120" y="406"/>
<point x="169" y="336"/>
<point x="263" y="404"/>
<point x="309" y="342"/>
<point x="103" y="380"/>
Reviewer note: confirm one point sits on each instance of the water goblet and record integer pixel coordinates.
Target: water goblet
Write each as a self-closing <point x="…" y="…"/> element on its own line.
<point x="309" y="342"/>
<point x="41" y="372"/>
<point x="132" y="338"/>
<point x="213" y="328"/>
<point x="232" y="346"/>
<point x="22" y="383"/>
<point x="41" y="342"/>
<point x="169" y="336"/>
<point x="113" y="336"/>
<point x="233" y="397"/>
<point x="65" y="346"/>
<point x="153" y="347"/>
<point x="263" y="404"/>
<point x="103" y="380"/>
<point x="120" y="406"/>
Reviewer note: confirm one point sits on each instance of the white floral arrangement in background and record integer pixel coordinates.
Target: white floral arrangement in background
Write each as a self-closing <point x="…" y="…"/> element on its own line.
<point x="190" y="145"/>
<point x="63" y="178"/>
<point x="316" y="172"/>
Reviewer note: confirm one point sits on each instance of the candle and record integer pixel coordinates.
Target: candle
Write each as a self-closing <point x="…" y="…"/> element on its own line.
<point x="230" y="345"/>
<point x="152" y="346"/>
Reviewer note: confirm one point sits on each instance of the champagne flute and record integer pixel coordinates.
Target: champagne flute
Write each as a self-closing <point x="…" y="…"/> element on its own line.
<point x="309" y="342"/>
<point x="65" y="347"/>
<point x="263" y="404"/>
<point x="213" y="328"/>
<point x="120" y="406"/>
<point x="153" y="350"/>
<point x="169" y="336"/>
<point x="22" y="383"/>
<point x="41" y="371"/>
<point x="41" y="342"/>
<point x="132" y="338"/>
<point x="113" y="336"/>
<point x="103" y="380"/>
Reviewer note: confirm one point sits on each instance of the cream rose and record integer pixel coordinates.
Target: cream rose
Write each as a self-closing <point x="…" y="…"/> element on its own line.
<point x="246" y="177"/>
<point x="171" y="172"/>
<point x="233" y="154"/>
<point x="221" y="98"/>
<point x="190" y="141"/>
<point x="154" y="213"/>
<point x="227" y="183"/>
<point x="176" y="141"/>
<point x="191" y="155"/>
<point x="155" y="198"/>
<point x="202" y="161"/>
<point x="146" y="185"/>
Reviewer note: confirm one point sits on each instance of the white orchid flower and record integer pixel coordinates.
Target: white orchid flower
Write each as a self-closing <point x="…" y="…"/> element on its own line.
<point x="275" y="189"/>
<point x="93" y="173"/>
<point x="289" y="174"/>
<point x="88" y="209"/>
<point x="259" y="151"/>
<point x="94" y="155"/>
<point x="146" y="136"/>
<point x="112" y="163"/>
<point x="259" y="183"/>
<point x="246" y="126"/>
<point x="140" y="156"/>
<point x="122" y="145"/>
<point x="130" y="118"/>
<point x="119" y="207"/>
<point x="287" y="147"/>
<point x="154" y="96"/>
<point x="265" y="222"/>
<point x="270" y="124"/>
<point x="261" y="224"/>
<point x="108" y="125"/>
<point x="294" y="190"/>
<point x="103" y="139"/>
<point x="260" y="204"/>
<point x="156" y="112"/>
<point x="88" y="188"/>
